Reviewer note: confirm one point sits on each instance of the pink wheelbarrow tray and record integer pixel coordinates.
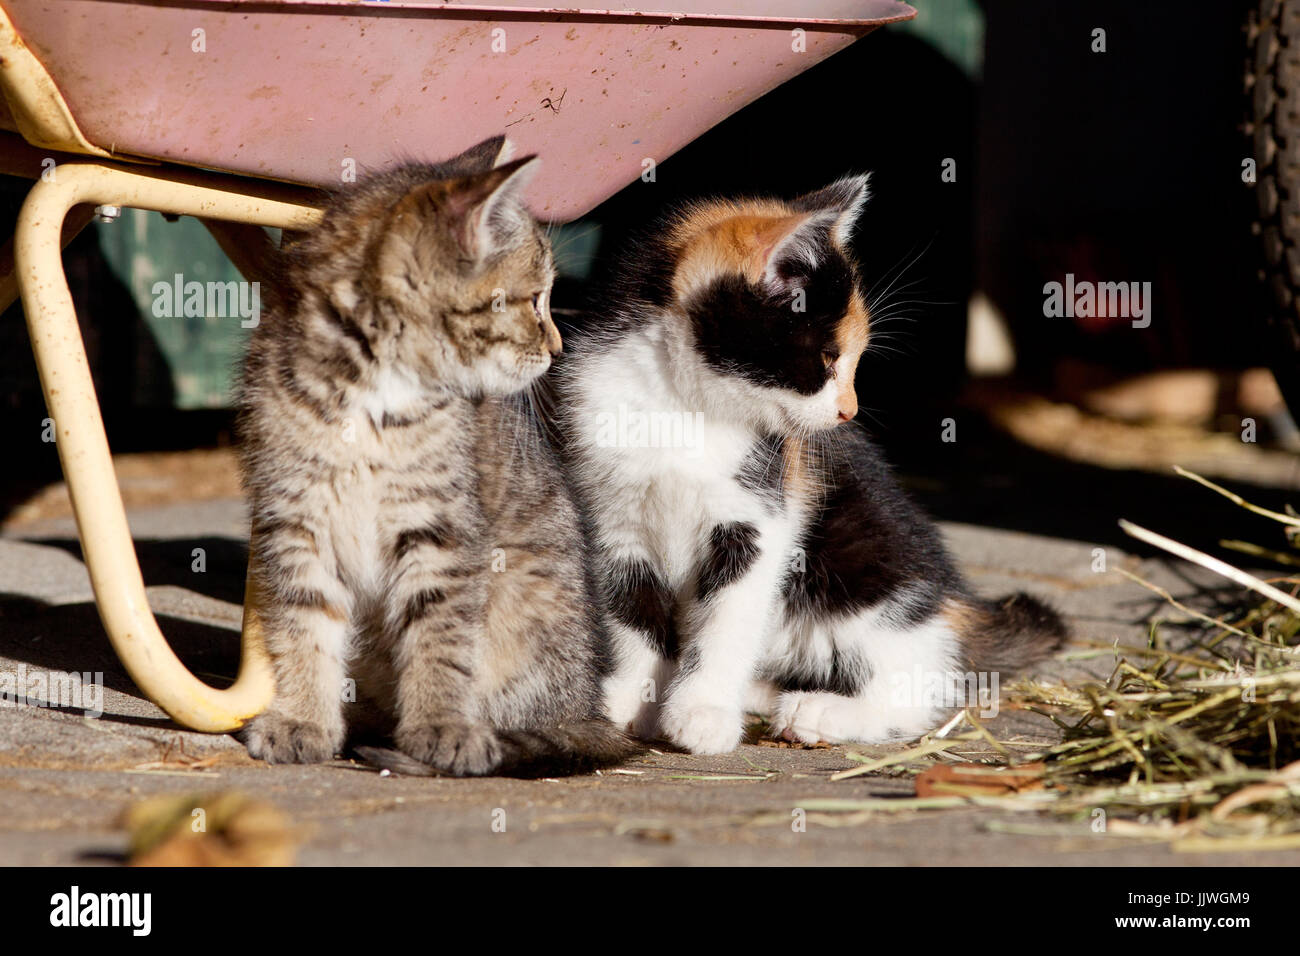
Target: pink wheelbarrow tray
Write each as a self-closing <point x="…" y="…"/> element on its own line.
<point x="237" y="113"/>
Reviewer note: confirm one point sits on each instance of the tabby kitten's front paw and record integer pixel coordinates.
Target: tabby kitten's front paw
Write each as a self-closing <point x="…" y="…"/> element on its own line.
<point x="275" y="738"/>
<point x="466" y="750"/>
<point x="703" y="729"/>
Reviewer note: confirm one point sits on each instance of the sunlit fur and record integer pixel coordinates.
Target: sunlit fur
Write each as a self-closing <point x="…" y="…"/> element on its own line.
<point x="411" y="532"/>
<point x="774" y="564"/>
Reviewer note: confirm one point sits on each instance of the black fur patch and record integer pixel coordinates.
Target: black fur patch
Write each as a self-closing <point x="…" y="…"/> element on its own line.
<point x="740" y="329"/>
<point x="419" y="605"/>
<point x="275" y="527"/>
<point x="732" y="549"/>
<point x="349" y="327"/>
<point x="642" y="600"/>
<point x="656" y="280"/>
<point x="844" y="676"/>
<point x="644" y="273"/>
<point x="438" y="535"/>
<point x="869" y="543"/>
<point x="389" y="420"/>
<point x="303" y="598"/>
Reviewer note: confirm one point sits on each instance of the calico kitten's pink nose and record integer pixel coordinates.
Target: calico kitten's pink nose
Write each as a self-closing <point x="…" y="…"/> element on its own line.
<point x="846" y="405"/>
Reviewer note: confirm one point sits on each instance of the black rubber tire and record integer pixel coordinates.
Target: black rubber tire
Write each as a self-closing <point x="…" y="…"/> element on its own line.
<point x="1273" y="88"/>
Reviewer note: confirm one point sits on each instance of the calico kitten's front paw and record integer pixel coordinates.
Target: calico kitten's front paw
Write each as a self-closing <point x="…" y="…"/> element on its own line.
<point x="466" y="750"/>
<point x="807" y="718"/>
<point x="703" y="729"/>
<point x="275" y="738"/>
<point x="815" y="716"/>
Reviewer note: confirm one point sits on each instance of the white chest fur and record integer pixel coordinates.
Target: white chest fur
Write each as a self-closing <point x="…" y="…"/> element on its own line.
<point x="661" y="474"/>
<point x="394" y="391"/>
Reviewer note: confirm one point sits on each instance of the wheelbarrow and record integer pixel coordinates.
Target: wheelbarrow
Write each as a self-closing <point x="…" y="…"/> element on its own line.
<point x="239" y="113"/>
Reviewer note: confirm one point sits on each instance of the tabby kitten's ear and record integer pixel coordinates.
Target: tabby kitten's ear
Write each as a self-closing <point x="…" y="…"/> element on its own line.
<point x="476" y="214"/>
<point x="843" y="200"/>
<point x="484" y="207"/>
<point x="479" y="158"/>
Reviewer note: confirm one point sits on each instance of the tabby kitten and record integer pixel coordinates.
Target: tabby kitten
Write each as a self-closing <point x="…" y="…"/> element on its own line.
<point x="761" y="556"/>
<point x="411" y="529"/>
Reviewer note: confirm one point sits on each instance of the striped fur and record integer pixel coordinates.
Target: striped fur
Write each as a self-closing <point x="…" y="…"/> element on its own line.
<point x="411" y="531"/>
<point x="775" y="565"/>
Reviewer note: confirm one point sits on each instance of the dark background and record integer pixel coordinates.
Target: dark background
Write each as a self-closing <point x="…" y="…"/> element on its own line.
<point x="1116" y="166"/>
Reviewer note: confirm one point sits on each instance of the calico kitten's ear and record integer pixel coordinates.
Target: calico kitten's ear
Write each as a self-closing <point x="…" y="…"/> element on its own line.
<point x="790" y="245"/>
<point x="483" y="156"/>
<point x="842" y="199"/>
<point x="481" y="207"/>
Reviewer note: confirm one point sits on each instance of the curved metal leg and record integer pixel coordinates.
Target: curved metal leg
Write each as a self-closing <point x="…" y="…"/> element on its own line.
<point x="82" y="445"/>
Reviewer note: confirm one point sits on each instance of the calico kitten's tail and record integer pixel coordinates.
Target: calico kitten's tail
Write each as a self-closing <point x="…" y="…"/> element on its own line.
<point x="1008" y="634"/>
<point x="572" y="748"/>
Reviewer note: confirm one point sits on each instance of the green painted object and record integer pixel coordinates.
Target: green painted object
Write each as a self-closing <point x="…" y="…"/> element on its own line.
<point x="953" y="27"/>
<point x="202" y="352"/>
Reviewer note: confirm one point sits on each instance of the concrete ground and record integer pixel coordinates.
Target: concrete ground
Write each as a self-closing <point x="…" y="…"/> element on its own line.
<point x="65" y="778"/>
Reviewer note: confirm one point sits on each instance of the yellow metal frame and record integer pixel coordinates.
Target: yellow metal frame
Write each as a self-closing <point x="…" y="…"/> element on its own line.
<point x="56" y="209"/>
<point x="79" y="429"/>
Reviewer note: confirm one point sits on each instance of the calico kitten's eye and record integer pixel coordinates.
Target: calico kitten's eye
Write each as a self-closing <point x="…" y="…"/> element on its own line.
<point x="829" y="358"/>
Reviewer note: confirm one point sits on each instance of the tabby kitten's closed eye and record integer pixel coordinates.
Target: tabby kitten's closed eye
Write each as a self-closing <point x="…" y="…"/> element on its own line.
<point x="775" y="565"/>
<point x="411" y="529"/>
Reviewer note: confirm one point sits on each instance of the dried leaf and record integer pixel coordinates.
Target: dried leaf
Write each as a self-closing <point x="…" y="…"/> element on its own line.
<point x="978" y="779"/>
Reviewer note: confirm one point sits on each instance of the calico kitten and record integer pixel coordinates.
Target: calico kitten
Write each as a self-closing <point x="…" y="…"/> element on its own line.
<point x="411" y="529"/>
<point x="754" y="548"/>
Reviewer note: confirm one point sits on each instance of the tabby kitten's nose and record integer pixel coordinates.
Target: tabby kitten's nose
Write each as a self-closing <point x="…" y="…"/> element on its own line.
<point x="554" y="344"/>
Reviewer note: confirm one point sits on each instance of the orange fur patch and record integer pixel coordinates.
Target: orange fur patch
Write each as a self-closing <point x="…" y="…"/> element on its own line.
<point x="726" y="238"/>
<point x="851" y="335"/>
<point x="967" y="620"/>
<point x="801" y="484"/>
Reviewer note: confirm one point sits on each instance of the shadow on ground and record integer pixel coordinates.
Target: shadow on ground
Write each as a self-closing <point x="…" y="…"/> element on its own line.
<point x="71" y="638"/>
<point x="171" y="561"/>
